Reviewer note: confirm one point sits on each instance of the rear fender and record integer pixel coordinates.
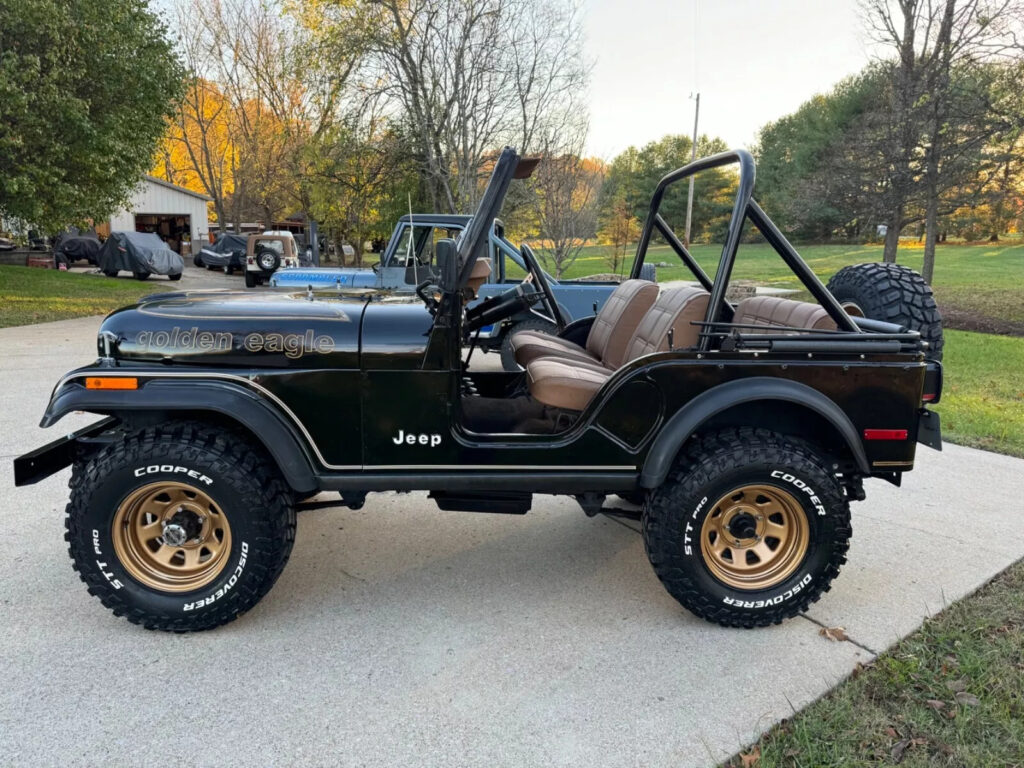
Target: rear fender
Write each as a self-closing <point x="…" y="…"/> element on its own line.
<point x="689" y="419"/>
<point x="229" y="400"/>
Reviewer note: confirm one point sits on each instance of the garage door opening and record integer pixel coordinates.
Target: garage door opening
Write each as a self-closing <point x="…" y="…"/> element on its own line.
<point x="175" y="230"/>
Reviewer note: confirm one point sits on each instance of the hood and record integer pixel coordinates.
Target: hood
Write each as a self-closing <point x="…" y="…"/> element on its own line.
<point x="244" y="329"/>
<point x="324" y="277"/>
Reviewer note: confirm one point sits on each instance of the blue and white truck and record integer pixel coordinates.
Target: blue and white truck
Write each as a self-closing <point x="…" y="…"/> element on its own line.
<point x="408" y="259"/>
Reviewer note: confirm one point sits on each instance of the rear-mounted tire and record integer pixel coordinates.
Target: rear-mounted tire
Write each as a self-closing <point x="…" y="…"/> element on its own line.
<point x="893" y="293"/>
<point x="749" y="528"/>
<point x="180" y="527"/>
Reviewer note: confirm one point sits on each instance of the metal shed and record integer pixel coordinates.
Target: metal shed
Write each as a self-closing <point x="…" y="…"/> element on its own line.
<point x="178" y="215"/>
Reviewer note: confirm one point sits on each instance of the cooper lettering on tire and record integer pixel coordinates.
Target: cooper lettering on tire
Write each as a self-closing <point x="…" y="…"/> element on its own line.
<point x="749" y="528"/>
<point x="179" y="527"/>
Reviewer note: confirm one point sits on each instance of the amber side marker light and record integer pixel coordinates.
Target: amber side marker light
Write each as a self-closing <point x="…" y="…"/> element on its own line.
<point x="885" y="434"/>
<point x="111" y="382"/>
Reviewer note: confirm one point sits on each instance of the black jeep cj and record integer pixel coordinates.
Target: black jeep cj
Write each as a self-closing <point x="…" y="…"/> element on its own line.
<point x="738" y="432"/>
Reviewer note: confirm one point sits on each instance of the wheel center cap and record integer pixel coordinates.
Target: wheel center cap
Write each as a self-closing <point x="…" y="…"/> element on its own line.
<point x="743" y="526"/>
<point x="183" y="526"/>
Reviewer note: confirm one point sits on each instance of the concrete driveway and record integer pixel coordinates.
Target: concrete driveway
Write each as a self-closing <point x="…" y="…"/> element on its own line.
<point x="401" y="635"/>
<point x="192" y="277"/>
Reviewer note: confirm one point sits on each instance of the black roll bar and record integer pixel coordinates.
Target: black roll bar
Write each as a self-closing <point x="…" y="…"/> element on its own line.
<point x="744" y="208"/>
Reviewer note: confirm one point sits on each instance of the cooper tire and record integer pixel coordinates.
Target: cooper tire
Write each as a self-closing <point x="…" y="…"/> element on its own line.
<point x="241" y="491"/>
<point x="728" y="472"/>
<point x="893" y="293"/>
<point x="508" y="356"/>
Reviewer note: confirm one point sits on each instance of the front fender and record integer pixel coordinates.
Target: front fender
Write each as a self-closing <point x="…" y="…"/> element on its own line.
<point x="230" y="399"/>
<point x="689" y="418"/>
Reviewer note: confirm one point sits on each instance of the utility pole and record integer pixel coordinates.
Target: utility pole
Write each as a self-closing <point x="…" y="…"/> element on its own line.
<point x="693" y="156"/>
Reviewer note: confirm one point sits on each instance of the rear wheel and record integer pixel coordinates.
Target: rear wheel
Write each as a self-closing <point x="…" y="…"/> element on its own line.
<point x="197" y="260"/>
<point x="508" y="355"/>
<point x="174" y="277"/>
<point x="110" y="272"/>
<point x="141" y="275"/>
<point x="893" y="293"/>
<point x="179" y="527"/>
<point x="749" y="528"/>
<point x="251" y="281"/>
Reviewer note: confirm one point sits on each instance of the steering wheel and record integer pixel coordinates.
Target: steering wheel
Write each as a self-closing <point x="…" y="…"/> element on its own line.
<point x="541" y="282"/>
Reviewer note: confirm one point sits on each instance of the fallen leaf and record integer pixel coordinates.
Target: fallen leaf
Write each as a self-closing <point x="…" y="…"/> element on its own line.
<point x="892" y="732"/>
<point x="835" y="634"/>
<point x="957" y="685"/>
<point x="750" y="759"/>
<point x="967" y="699"/>
<point x="936" y="704"/>
<point x="898" y="749"/>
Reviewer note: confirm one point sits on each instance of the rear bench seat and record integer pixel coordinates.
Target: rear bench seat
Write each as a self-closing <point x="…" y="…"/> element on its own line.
<point x="772" y="313"/>
<point x="572" y="384"/>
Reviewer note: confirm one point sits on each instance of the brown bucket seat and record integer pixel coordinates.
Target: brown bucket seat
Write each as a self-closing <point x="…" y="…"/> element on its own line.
<point x="572" y="384"/>
<point x="609" y="336"/>
<point x="771" y="313"/>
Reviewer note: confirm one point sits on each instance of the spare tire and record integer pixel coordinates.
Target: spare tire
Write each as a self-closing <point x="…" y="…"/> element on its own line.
<point x="649" y="272"/>
<point x="892" y="293"/>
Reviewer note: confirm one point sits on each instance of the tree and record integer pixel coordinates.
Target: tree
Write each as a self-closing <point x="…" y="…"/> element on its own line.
<point x="86" y="89"/>
<point x="470" y="76"/>
<point x="633" y="175"/>
<point x="621" y="228"/>
<point x="939" y="117"/>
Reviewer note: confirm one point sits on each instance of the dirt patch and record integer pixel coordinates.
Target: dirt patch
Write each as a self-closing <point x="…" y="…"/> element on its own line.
<point x="961" y="319"/>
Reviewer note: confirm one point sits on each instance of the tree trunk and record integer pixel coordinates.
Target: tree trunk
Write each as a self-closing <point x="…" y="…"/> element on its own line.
<point x="892" y="236"/>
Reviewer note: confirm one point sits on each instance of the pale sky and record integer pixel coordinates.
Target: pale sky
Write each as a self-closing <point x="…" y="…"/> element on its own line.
<point x="752" y="60"/>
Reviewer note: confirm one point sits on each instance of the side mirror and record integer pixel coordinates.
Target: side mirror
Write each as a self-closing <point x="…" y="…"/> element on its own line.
<point x="447" y="265"/>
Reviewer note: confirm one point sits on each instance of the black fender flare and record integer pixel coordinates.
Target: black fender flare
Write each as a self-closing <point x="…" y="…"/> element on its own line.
<point x="691" y="416"/>
<point x="267" y="425"/>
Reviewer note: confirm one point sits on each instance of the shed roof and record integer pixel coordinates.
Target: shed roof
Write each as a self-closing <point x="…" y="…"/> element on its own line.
<point x="176" y="188"/>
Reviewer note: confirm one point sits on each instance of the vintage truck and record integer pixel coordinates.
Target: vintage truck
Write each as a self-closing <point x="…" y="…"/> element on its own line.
<point x="739" y="433"/>
<point x="410" y="258"/>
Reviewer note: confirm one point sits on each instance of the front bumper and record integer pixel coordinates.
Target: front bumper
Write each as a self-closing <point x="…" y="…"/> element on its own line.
<point x="53" y="457"/>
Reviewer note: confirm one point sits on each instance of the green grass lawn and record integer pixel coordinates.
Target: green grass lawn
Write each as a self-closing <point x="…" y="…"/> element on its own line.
<point x="29" y="295"/>
<point x="985" y="280"/>
<point x="950" y="694"/>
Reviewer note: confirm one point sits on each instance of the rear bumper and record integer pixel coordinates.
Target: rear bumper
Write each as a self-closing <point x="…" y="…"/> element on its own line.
<point x="53" y="457"/>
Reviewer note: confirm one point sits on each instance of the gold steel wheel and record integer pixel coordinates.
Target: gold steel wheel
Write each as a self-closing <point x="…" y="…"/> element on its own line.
<point x="171" y="537"/>
<point x="754" y="537"/>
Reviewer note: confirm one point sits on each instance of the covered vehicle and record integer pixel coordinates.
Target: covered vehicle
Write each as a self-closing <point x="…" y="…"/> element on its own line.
<point x="73" y="246"/>
<point x="228" y="253"/>
<point x="141" y="253"/>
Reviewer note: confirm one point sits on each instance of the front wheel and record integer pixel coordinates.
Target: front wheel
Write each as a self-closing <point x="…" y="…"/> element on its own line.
<point x="179" y="527"/>
<point x="749" y="528"/>
<point x="174" y="277"/>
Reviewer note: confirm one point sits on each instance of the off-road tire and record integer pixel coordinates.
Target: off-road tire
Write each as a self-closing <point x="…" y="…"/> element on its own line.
<point x="712" y="467"/>
<point x="251" y="281"/>
<point x="649" y="272"/>
<point x="895" y="294"/>
<point x="244" y="483"/>
<point x="508" y="355"/>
